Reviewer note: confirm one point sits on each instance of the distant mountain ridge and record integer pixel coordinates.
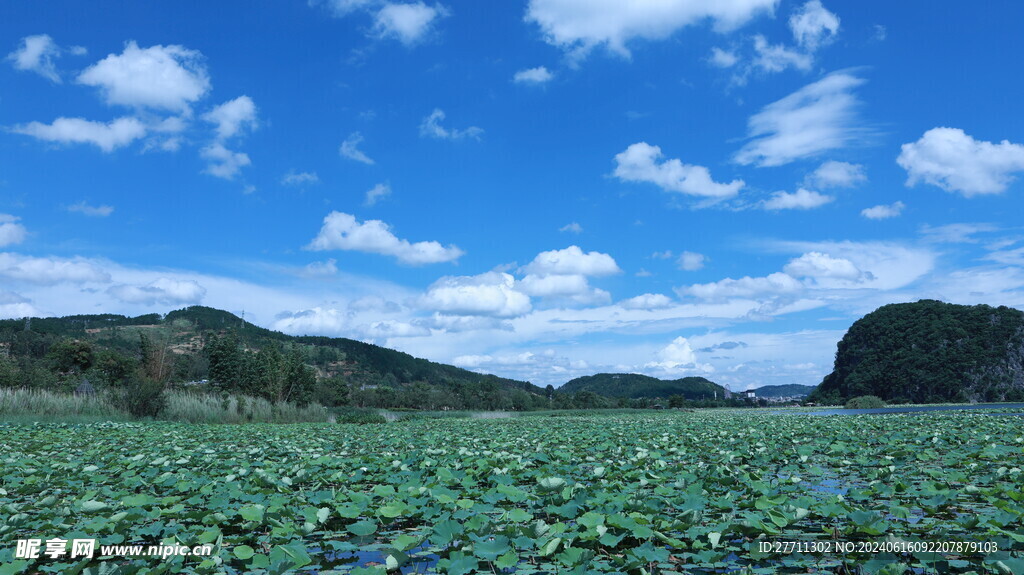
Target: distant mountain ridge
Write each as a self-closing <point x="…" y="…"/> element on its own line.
<point x="788" y="390"/>
<point x="637" y="386"/>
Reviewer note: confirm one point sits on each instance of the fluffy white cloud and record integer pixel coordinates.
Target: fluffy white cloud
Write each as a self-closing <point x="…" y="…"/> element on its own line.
<point x="647" y="301"/>
<point x="392" y="328"/>
<point x="572" y="228"/>
<point x="956" y="162"/>
<point x="678" y="357"/>
<point x="833" y="174"/>
<point x="223" y="163"/>
<point x="376" y="193"/>
<point x="538" y="75"/>
<point x="160" y="77"/>
<point x="690" y="261"/>
<point x="885" y="265"/>
<point x="350" y="149"/>
<point x="723" y="58"/>
<point x="816" y="118"/>
<point x="817" y="265"/>
<point x="883" y="211"/>
<point x="11" y="232"/>
<point x="572" y="261"/>
<point x="106" y="137"/>
<point x="50" y="271"/>
<point x="342" y="231"/>
<point x="745" y="287"/>
<point x="92" y="211"/>
<point x="431" y="128"/>
<point x="233" y="116"/>
<point x="639" y="163"/>
<point x="777" y="58"/>
<point x="490" y="294"/>
<point x="316" y="320"/>
<point x="580" y="25"/>
<point x="166" y="291"/>
<point x="554" y="285"/>
<point x="799" y="200"/>
<point x="294" y="178"/>
<point x="813" y="25"/>
<point x="407" y="23"/>
<point x="36" y="54"/>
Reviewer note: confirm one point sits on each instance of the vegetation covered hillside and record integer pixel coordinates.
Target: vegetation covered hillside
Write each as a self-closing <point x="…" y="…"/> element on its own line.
<point x="635" y="386"/>
<point x="225" y="353"/>
<point x="789" y="390"/>
<point x="930" y="352"/>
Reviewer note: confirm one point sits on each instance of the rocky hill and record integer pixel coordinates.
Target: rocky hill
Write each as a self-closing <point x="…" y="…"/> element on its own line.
<point x="789" y="390"/>
<point x="636" y="386"/>
<point x="930" y="352"/>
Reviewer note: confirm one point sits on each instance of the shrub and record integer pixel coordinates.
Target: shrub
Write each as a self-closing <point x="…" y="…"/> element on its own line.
<point x="36" y="405"/>
<point x="143" y="397"/>
<point x="865" y="402"/>
<point x="359" y="416"/>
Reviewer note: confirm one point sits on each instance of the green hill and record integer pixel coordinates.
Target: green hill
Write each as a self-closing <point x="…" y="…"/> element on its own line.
<point x="930" y="352"/>
<point x="788" y="390"/>
<point x="202" y="342"/>
<point x="636" y="386"/>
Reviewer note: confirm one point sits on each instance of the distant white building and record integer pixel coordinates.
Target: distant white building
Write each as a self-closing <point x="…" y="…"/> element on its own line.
<point x="749" y="394"/>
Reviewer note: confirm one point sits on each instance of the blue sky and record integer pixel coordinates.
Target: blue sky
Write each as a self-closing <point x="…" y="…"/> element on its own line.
<point x="539" y="189"/>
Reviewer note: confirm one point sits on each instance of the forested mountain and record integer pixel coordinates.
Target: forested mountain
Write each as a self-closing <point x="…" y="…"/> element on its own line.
<point x="225" y="353"/>
<point x="788" y="390"/>
<point x="930" y="352"/>
<point x="635" y="386"/>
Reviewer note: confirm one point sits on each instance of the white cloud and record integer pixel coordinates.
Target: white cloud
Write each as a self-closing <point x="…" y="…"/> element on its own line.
<point x="350" y="149"/>
<point x="376" y="193"/>
<point x="745" y="287"/>
<point x="489" y="294"/>
<point x="885" y="265"/>
<point x="106" y="137"/>
<point x="11" y="232"/>
<point x="392" y="328"/>
<point x="778" y="58"/>
<point x="816" y="118"/>
<point x="93" y="211"/>
<point x="580" y="25"/>
<point x="36" y="54"/>
<point x="316" y="320"/>
<point x="554" y="285"/>
<point x="50" y="271"/>
<point x="813" y="25"/>
<point x="956" y="162"/>
<point x="572" y="228"/>
<point x="321" y="269"/>
<point x="344" y="7"/>
<point x="960" y="233"/>
<point x="639" y="163"/>
<point x="223" y="163"/>
<point x="341" y="231"/>
<point x="294" y="178"/>
<point x="722" y="58"/>
<point x="690" y="261"/>
<point x="538" y="75"/>
<point x="647" y="301"/>
<point x="678" y="357"/>
<point x="431" y="128"/>
<point x="817" y="265"/>
<point x="232" y="117"/>
<point x="160" y="77"/>
<point x="883" y="211"/>
<point x="165" y="291"/>
<point x="408" y="23"/>
<point x="799" y="200"/>
<point x="833" y="174"/>
<point x="572" y="261"/>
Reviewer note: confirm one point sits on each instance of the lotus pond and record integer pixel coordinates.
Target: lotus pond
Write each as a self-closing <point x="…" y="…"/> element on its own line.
<point x="621" y="493"/>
